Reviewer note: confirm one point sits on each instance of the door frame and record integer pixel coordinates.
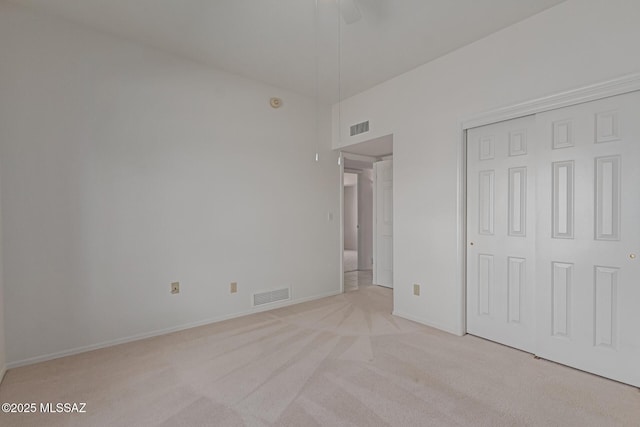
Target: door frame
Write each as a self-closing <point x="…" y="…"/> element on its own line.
<point x="341" y="214"/>
<point x="616" y="86"/>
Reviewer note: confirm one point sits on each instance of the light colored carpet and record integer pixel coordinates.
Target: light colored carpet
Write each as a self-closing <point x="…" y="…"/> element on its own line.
<point x="354" y="279"/>
<point x="350" y="260"/>
<point x="339" y="361"/>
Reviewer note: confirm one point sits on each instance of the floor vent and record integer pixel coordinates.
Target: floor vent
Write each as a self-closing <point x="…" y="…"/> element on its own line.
<point x="360" y="128"/>
<point x="271" y="296"/>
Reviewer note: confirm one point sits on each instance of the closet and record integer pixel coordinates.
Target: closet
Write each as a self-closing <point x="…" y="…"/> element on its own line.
<point x="553" y="235"/>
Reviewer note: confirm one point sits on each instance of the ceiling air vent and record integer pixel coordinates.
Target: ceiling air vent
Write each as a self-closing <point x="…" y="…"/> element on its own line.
<point x="270" y="296"/>
<point x="360" y="128"/>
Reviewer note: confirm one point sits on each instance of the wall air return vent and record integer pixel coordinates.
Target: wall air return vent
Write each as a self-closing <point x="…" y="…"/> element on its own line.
<point x="271" y="296"/>
<point x="360" y="128"/>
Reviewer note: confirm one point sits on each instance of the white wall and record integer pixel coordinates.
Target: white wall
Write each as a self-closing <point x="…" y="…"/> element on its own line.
<point x="571" y="45"/>
<point x="351" y="216"/>
<point x="125" y="169"/>
<point x="365" y="219"/>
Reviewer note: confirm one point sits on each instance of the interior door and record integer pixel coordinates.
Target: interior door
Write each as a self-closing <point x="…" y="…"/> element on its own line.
<point x="588" y="309"/>
<point x="501" y="232"/>
<point x="383" y="219"/>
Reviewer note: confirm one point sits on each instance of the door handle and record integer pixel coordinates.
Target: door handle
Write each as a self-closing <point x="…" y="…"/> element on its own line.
<point x="632" y="256"/>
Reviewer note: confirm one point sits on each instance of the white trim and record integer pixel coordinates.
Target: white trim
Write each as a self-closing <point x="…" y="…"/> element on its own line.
<point x="428" y="323"/>
<point x="617" y="86"/>
<point x="356" y="171"/>
<point x="159" y="332"/>
<point x="613" y="87"/>
<point x="341" y="239"/>
<point x="374" y="219"/>
<point x="3" y="371"/>
<point x="359" y="157"/>
<point x="461" y="229"/>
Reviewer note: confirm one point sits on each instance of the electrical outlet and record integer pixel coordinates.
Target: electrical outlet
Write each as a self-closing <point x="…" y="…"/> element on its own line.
<point x="175" y="288"/>
<point x="233" y="287"/>
<point x="416" y="290"/>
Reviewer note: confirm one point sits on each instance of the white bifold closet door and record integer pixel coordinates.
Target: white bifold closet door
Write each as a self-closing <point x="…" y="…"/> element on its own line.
<point x="589" y="241"/>
<point x="553" y="217"/>
<point x="501" y="232"/>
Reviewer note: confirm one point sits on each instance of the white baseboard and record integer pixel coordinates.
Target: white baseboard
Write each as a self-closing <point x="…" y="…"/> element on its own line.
<point x="137" y="337"/>
<point x="428" y="323"/>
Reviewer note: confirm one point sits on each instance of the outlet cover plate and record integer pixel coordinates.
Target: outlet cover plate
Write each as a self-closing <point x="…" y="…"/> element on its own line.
<point x="175" y="287"/>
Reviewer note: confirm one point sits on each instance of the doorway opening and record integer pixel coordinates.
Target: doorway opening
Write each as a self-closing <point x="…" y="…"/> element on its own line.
<point x="351" y="223"/>
<point x="357" y="223"/>
<point x="366" y="214"/>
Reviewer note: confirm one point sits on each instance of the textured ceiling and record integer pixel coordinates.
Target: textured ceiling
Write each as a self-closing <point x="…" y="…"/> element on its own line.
<point x="276" y="42"/>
